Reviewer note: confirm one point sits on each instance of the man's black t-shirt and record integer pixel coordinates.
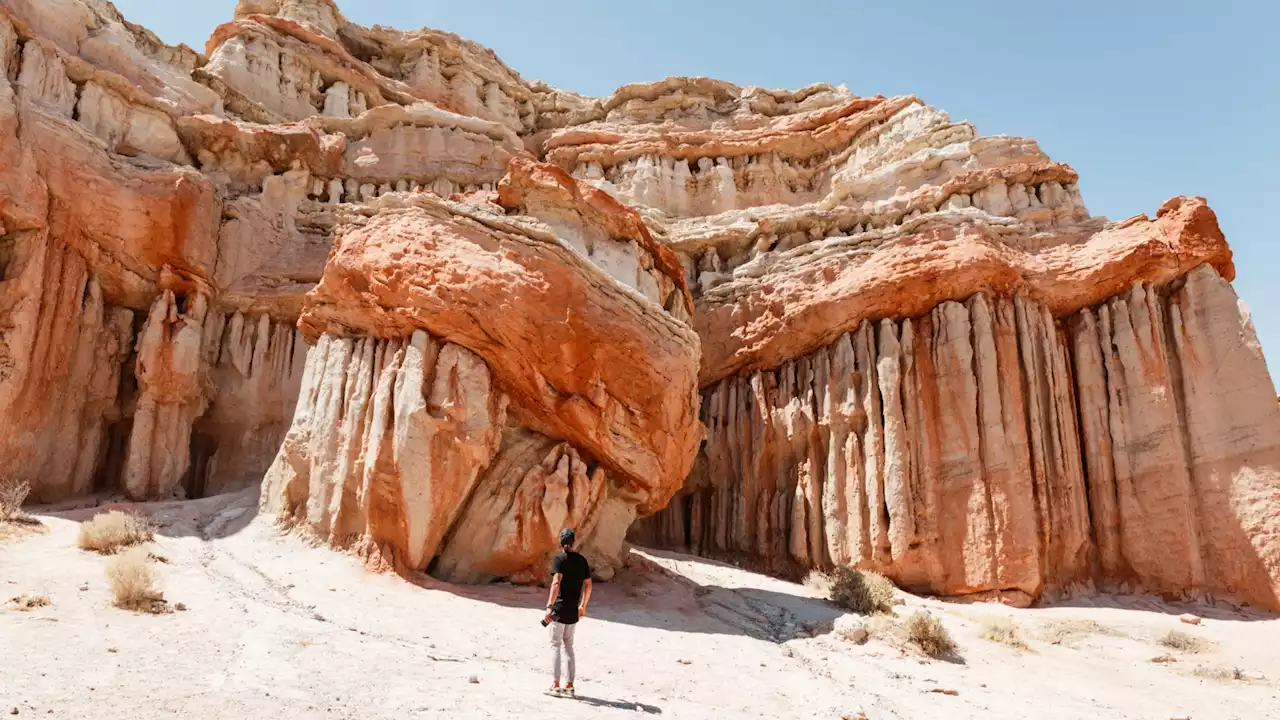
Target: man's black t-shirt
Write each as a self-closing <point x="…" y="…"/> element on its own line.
<point x="574" y="571"/>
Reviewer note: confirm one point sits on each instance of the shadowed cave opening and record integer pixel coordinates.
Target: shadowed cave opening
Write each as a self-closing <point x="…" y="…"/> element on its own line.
<point x="203" y="448"/>
<point x="115" y="448"/>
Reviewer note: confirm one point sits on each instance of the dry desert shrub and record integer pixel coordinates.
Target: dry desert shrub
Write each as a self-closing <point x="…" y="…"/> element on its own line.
<point x="886" y="628"/>
<point x="12" y="494"/>
<point x="1004" y="631"/>
<point x="108" y="532"/>
<point x="861" y="591"/>
<point x="1064" y="632"/>
<point x="1220" y="673"/>
<point x="28" y="602"/>
<point x="819" y="581"/>
<point x="927" y="633"/>
<point x="133" y="583"/>
<point x="1183" y="642"/>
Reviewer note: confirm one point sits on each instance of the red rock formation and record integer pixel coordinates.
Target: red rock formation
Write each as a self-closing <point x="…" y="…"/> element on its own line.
<point x="806" y="302"/>
<point x="562" y="339"/>
<point x="128" y="184"/>
<point x="904" y="366"/>
<point x="330" y="255"/>
<point x="519" y="335"/>
<point x="92" y="237"/>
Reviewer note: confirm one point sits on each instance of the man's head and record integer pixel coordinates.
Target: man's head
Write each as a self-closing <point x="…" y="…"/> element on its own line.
<point x="566" y="538"/>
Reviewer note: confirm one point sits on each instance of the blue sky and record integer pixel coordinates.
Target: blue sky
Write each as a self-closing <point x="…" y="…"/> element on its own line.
<point x="1145" y="99"/>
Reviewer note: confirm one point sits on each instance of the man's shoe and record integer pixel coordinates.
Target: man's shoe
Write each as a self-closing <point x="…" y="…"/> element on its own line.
<point x="568" y="690"/>
<point x="554" y="691"/>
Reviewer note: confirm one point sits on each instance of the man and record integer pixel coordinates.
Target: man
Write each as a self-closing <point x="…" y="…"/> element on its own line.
<point x="567" y="601"/>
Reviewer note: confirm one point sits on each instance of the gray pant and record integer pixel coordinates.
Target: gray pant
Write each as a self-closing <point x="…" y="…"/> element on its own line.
<point x="562" y="634"/>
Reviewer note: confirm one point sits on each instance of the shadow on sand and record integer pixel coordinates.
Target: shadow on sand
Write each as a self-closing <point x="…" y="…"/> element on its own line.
<point x="1215" y="610"/>
<point x="620" y="705"/>
<point x="209" y="518"/>
<point x="645" y="594"/>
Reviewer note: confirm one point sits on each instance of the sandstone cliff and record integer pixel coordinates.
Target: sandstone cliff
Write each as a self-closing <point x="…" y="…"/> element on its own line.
<point x="921" y="355"/>
<point x="444" y="310"/>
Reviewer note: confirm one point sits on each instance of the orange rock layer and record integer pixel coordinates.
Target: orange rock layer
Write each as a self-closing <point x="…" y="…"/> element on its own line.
<point x="805" y="303"/>
<point x="560" y="338"/>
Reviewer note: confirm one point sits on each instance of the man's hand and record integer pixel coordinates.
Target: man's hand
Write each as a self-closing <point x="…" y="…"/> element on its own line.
<point x="582" y="611"/>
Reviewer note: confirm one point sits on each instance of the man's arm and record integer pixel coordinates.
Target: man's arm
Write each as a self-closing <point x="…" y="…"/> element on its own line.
<point x="555" y="591"/>
<point x="586" y="596"/>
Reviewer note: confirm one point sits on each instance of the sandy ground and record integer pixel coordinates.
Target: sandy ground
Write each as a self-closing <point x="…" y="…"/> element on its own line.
<point x="275" y="628"/>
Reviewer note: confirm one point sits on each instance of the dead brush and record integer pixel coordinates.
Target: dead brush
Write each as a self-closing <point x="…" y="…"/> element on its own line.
<point x="12" y="494"/>
<point x="133" y="583"/>
<point x="108" y="532"/>
<point x="1004" y="631"/>
<point x="861" y="591"/>
<point x="1065" y="632"/>
<point x="1184" y="642"/>
<point x="27" y="602"/>
<point x="927" y="633"/>
<point x="818" y="581"/>
<point x="1218" y="673"/>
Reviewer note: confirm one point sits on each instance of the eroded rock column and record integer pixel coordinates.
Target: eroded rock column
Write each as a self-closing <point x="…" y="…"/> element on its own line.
<point x="388" y="440"/>
<point x="989" y="448"/>
<point x="534" y="487"/>
<point x="1180" y="441"/>
<point x="171" y="395"/>
<point x="256" y="365"/>
<point x="61" y="356"/>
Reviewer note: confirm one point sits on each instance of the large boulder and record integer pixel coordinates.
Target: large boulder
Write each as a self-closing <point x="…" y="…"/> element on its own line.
<point x="486" y="374"/>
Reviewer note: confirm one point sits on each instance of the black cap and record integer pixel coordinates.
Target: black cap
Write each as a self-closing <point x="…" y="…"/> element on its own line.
<point x="567" y="537"/>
